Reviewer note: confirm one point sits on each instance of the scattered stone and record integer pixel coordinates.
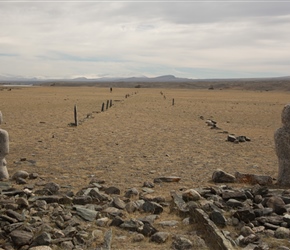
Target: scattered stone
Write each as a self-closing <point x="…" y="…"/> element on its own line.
<point x="191" y="195"/>
<point x="147" y="190"/>
<point x="282" y="233"/>
<point x="245" y="215"/>
<point x="231" y="138"/>
<point x="152" y="207"/>
<point x="181" y="243"/>
<point x="42" y="248"/>
<point x="218" y="218"/>
<point x="20" y="174"/>
<point x="211" y="123"/>
<point x="179" y="202"/>
<point x="44" y="239"/>
<point x="102" y="222"/>
<point x="234" y="203"/>
<point x="112" y="190"/>
<point x="249" y="239"/>
<point x="246" y="231"/>
<point x="148" y="184"/>
<point x="21" y="237"/>
<point x="169" y="223"/>
<point x="220" y="176"/>
<point x="254" y="179"/>
<point x="82" y="200"/>
<point x="118" y="203"/>
<point x="112" y="211"/>
<point x="132" y="192"/>
<point x="132" y="225"/>
<point x="148" y="230"/>
<point x="33" y="176"/>
<point x="234" y="194"/>
<point x="131" y="207"/>
<point x="107" y="240"/>
<point x="138" y="237"/>
<point x="253" y="211"/>
<point x="167" y="179"/>
<point x="198" y="243"/>
<point x="86" y="214"/>
<point x="159" y="237"/>
<point x="52" y="187"/>
<point x="237" y="139"/>
<point x="117" y="221"/>
<point x="277" y="204"/>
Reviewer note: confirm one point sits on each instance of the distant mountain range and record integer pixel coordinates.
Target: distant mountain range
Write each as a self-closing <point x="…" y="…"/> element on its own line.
<point x="165" y="81"/>
<point x="164" y="78"/>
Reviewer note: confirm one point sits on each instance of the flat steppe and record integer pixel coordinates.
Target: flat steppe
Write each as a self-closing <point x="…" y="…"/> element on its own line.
<point x="140" y="137"/>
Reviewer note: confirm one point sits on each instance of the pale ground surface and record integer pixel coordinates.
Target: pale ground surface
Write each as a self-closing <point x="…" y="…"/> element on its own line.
<point x="141" y="137"/>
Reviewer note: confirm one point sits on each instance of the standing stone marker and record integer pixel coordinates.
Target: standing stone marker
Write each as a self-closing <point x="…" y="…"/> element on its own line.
<point x="4" y="150"/>
<point x="282" y="146"/>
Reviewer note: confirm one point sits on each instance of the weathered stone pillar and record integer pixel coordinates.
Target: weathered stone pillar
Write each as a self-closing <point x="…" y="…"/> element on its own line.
<point x="4" y="150"/>
<point x="282" y="146"/>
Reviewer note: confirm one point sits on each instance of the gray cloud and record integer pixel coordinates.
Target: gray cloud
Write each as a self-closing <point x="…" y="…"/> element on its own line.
<point x="121" y="38"/>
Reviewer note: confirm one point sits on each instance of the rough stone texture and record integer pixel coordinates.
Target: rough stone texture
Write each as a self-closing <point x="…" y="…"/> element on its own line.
<point x="167" y="179"/>
<point x="31" y="218"/>
<point x="159" y="237"/>
<point x="181" y="243"/>
<point x="21" y="237"/>
<point x="212" y="234"/>
<point x="40" y="248"/>
<point x="4" y="150"/>
<point x="253" y="179"/>
<point x="191" y="195"/>
<point x="219" y="176"/>
<point x="282" y="233"/>
<point x="282" y="146"/>
<point x="20" y="174"/>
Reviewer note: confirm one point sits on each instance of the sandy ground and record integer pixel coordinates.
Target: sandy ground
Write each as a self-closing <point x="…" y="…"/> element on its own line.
<point x="141" y="137"/>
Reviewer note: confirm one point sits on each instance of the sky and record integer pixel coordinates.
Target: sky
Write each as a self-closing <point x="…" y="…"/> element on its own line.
<point x="189" y="39"/>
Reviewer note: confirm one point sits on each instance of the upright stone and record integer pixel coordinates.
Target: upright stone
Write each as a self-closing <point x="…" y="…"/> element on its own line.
<point x="4" y="150"/>
<point x="282" y="146"/>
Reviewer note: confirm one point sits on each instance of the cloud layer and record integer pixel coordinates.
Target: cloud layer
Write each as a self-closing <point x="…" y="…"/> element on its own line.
<point x="211" y="39"/>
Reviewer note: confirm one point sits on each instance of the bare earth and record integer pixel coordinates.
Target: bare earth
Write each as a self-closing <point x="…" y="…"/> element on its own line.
<point x="141" y="137"/>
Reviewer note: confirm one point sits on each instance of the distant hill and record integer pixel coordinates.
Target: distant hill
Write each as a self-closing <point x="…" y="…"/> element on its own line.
<point x="166" y="81"/>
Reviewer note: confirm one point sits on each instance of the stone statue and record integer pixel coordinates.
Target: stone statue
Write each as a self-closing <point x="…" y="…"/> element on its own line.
<point x="282" y="146"/>
<point x="4" y="150"/>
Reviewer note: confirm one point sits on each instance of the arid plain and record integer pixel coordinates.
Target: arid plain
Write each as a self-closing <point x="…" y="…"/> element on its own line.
<point x="140" y="137"/>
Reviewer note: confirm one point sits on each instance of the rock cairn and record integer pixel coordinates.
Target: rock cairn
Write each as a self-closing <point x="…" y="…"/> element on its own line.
<point x="282" y="146"/>
<point x="39" y="213"/>
<point x="4" y="150"/>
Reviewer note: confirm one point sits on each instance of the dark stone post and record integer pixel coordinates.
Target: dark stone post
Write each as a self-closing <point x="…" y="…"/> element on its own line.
<point x="76" y="115"/>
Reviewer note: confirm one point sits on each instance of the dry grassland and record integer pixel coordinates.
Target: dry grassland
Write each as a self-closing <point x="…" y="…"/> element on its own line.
<point x="141" y="137"/>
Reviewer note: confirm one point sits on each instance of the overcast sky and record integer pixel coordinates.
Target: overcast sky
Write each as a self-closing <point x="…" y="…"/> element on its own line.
<point x="193" y="39"/>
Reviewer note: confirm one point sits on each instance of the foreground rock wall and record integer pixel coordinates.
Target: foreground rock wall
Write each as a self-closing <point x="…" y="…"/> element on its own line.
<point x="37" y="213"/>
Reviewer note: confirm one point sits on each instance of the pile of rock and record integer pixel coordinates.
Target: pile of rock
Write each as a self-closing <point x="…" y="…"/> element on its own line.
<point x="50" y="217"/>
<point x="253" y="214"/>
